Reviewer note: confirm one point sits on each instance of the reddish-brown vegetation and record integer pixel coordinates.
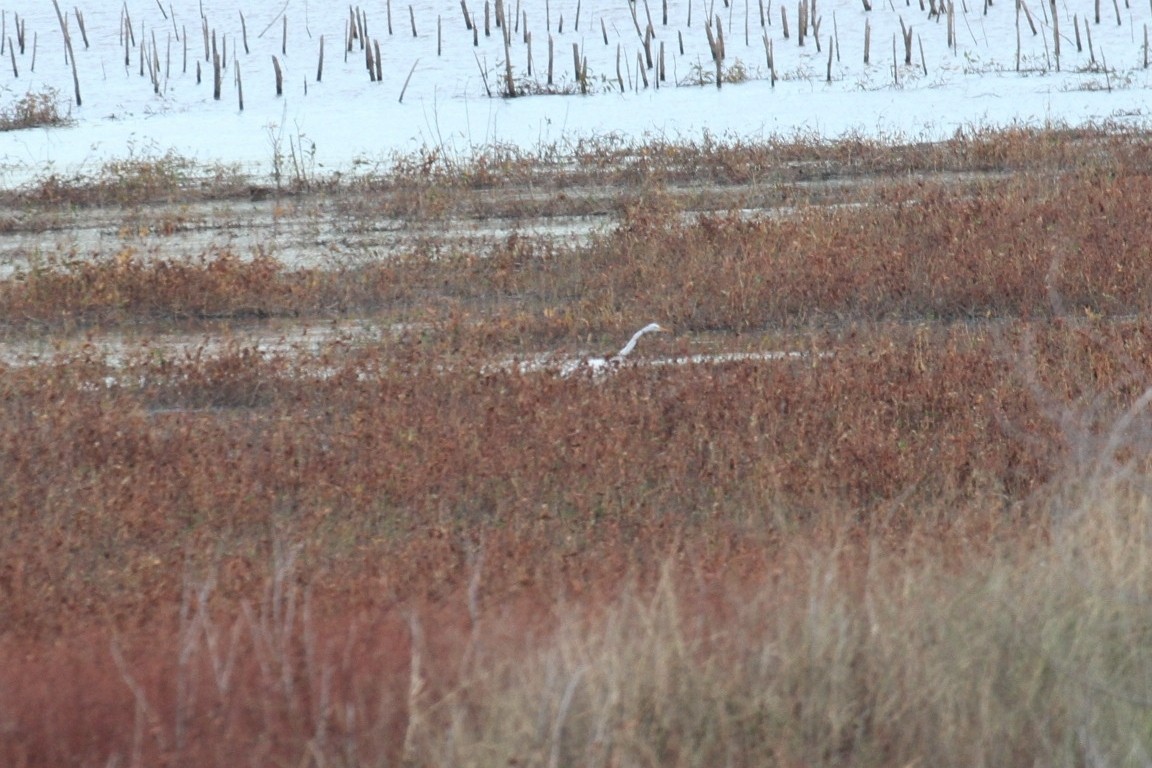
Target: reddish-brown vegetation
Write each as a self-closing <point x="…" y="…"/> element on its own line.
<point x="367" y="555"/>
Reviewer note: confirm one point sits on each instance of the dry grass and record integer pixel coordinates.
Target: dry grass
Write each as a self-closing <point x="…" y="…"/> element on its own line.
<point x="598" y="174"/>
<point x="144" y="178"/>
<point x="39" y="109"/>
<point x="925" y="544"/>
<point x="840" y="653"/>
<point x="1025" y="246"/>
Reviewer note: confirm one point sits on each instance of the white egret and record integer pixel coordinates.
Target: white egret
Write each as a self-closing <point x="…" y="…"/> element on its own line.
<point x="600" y="364"/>
<point x="631" y="345"/>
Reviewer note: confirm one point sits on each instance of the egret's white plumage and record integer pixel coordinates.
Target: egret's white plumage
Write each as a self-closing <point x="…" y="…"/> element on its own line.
<point x="599" y="365"/>
<point x="631" y="345"/>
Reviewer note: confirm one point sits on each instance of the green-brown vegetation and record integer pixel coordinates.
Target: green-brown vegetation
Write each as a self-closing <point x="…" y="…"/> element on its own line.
<point x="922" y="540"/>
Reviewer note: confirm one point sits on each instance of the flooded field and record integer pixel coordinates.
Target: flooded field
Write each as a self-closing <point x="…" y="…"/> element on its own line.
<point x="344" y="231"/>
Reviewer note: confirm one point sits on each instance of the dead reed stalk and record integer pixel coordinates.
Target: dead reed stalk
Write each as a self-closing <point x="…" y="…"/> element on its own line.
<point x="68" y="51"/>
<point x="278" y="73"/>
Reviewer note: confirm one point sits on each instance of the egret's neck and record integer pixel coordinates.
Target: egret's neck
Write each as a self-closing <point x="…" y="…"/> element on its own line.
<point x="631" y="345"/>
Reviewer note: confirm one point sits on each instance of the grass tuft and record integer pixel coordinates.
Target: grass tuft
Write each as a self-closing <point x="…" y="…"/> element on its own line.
<point x="39" y="109"/>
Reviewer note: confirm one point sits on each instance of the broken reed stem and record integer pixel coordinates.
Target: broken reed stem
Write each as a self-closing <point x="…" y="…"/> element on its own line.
<point x="80" y="24"/>
<point x="216" y="77"/>
<point x="279" y="73"/>
<point x="412" y="18"/>
<point x="619" y="75"/>
<point x="635" y="20"/>
<point x="509" y="82"/>
<point x="483" y="74"/>
<point x="407" y="79"/>
<point x="239" y="84"/>
<point x="244" y="32"/>
<point x="1028" y="16"/>
<point x="155" y="68"/>
<point x="1018" y="3"/>
<point x="836" y="36"/>
<point x="895" y="64"/>
<point x="68" y="50"/>
<point x="320" y="62"/>
<point x="128" y="25"/>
